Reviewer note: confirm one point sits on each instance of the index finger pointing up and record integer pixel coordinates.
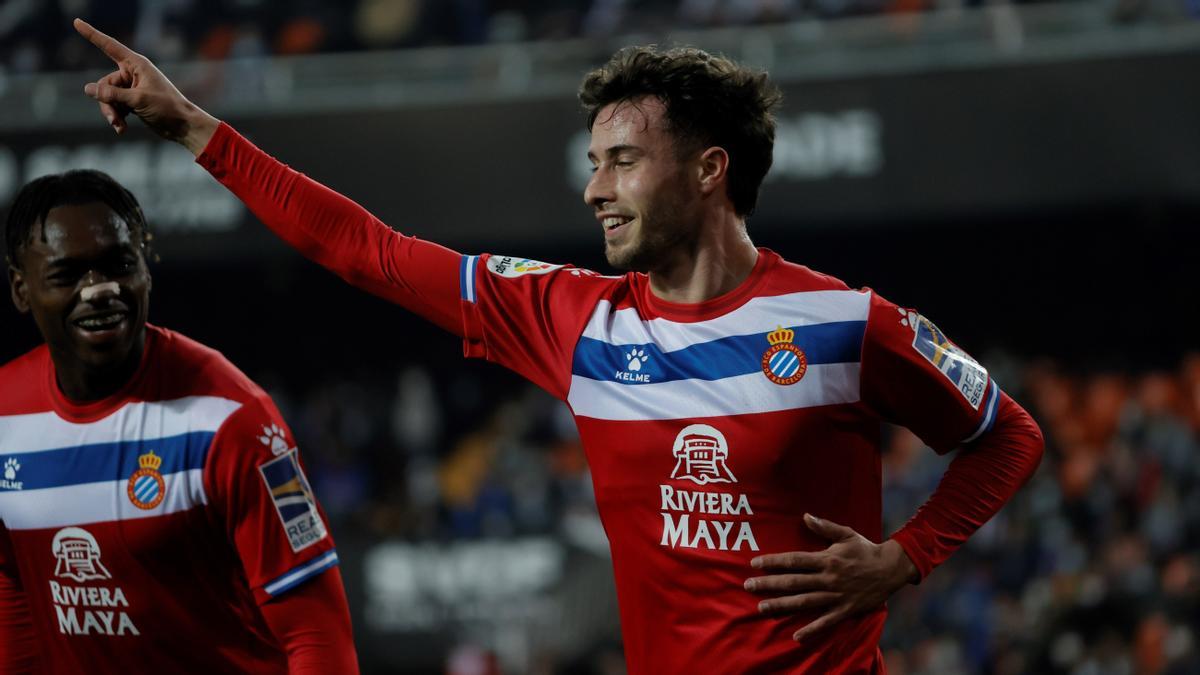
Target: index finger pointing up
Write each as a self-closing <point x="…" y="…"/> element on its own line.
<point x="110" y="46"/>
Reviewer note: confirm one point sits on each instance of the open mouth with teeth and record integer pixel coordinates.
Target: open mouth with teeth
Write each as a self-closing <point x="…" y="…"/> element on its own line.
<point x="100" y="325"/>
<point x="614" y="223"/>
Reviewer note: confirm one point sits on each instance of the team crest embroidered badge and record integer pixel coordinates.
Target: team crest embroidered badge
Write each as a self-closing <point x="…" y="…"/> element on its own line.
<point x="783" y="363"/>
<point x="146" y="486"/>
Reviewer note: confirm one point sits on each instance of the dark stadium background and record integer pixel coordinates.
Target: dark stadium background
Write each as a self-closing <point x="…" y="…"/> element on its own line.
<point x="1028" y="176"/>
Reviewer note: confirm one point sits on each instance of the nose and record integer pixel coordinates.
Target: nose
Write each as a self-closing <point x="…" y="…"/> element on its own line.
<point x="599" y="190"/>
<point x="96" y="287"/>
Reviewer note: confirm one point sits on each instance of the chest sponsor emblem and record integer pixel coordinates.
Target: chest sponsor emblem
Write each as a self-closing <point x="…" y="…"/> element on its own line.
<point x="704" y="518"/>
<point x="700" y="452"/>
<point x="783" y="363"/>
<point x="146" y="487"/>
<point x="294" y="500"/>
<point x="78" y="555"/>
<point x="91" y="609"/>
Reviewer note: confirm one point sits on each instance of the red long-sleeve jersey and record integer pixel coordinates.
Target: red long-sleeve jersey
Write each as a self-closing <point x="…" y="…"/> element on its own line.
<point x="167" y="528"/>
<point x="710" y="428"/>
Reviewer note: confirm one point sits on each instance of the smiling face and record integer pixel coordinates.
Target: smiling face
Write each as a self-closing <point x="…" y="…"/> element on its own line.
<point x="83" y="277"/>
<point x="643" y="193"/>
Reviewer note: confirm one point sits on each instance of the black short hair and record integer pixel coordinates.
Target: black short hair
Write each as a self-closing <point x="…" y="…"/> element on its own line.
<point x="72" y="188"/>
<point x="709" y="100"/>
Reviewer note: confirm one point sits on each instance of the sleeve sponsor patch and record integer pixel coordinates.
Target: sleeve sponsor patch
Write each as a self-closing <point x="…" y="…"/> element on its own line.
<point x="294" y="501"/>
<point x="970" y="378"/>
<point x="507" y="266"/>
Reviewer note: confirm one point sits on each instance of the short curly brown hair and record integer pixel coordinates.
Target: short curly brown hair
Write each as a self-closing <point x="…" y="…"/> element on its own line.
<point x="709" y="100"/>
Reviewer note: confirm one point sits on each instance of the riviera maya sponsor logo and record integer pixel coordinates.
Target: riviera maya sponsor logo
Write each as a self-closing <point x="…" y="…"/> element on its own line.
<point x="11" y="468"/>
<point x="78" y="555"/>
<point x="146" y="487"/>
<point x="783" y="363"/>
<point x="90" y="609"/>
<point x="704" y="519"/>
<point x="700" y="452"/>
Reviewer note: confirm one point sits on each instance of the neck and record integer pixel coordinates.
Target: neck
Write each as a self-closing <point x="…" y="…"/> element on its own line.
<point x="84" y="383"/>
<point x="717" y="262"/>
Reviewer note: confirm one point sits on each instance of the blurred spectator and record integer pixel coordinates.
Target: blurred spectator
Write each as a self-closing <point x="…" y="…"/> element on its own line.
<point x="36" y="35"/>
<point x="1093" y="567"/>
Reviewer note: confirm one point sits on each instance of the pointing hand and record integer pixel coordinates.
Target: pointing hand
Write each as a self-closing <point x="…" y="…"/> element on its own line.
<point x="137" y="86"/>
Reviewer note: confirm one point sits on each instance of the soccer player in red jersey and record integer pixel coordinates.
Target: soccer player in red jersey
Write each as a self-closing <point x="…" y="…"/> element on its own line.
<point x="725" y="397"/>
<point x="154" y="515"/>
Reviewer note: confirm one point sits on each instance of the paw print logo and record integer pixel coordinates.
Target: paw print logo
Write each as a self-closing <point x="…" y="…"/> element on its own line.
<point x="11" y="467"/>
<point x="274" y="438"/>
<point x="636" y="358"/>
<point x="909" y="318"/>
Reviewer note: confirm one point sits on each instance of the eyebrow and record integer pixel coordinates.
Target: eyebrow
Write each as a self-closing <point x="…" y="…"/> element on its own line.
<point x="615" y="150"/>
<point x="110" y="253"/>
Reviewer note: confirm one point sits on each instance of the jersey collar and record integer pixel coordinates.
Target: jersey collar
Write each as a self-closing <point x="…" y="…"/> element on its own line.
<point x="710" y="309"/>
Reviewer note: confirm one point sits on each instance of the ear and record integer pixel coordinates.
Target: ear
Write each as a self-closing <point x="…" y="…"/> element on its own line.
<point x="712" y="168"/>
<point x="20" y="292"/>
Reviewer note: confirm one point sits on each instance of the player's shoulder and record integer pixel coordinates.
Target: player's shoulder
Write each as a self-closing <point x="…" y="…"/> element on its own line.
<point x="508" y="275"/>
<point x="187" y="367"/>
<point x="254" y="430"/>
<point x="793" y="277"/>
<point x="517" y="267"/>
<point x="819" y="297"/>
<point x="30" y="367"/>
<point x="33" y="361"/>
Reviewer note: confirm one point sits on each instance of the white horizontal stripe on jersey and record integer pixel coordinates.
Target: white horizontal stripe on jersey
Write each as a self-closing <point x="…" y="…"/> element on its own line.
<point x="136" y="421"/>
<point x="100" y="502"/>
<point x="823" y="384"/>
<point x="759" y="315"/>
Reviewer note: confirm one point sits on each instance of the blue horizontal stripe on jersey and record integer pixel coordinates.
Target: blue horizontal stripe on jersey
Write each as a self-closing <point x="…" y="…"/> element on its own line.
<point x="110" y="461"/>
<point x="301" y="573"/>
<point x="833" y="342"/>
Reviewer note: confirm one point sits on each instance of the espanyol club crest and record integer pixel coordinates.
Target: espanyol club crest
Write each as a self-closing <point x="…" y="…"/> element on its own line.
<point x="783" y="362"/>
<point x="146" y="486"/>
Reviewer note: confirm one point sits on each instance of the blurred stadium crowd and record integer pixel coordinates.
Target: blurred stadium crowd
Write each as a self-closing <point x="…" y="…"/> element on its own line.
<point x="1092" y="569"/>
<point x="36" y="35"/>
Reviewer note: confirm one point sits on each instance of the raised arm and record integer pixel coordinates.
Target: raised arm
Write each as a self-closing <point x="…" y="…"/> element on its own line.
<point x="325" y="226"/>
